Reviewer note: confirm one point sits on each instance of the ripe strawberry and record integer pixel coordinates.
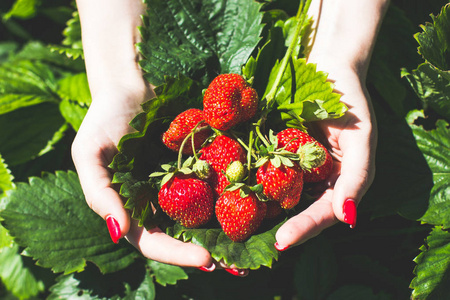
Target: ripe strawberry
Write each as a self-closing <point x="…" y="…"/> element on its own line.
<point x="292" y="139"/>
<point x="283" y="184"/>
<point x="219" y="154"/>
<point x="187" y="200"/>
<point x="229" y="100"/>
<point x="181" y="126"/>
<point x="239" y="217"/>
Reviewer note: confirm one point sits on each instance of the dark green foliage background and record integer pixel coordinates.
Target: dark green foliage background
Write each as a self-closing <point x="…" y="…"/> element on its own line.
<point x="400" y="248"/>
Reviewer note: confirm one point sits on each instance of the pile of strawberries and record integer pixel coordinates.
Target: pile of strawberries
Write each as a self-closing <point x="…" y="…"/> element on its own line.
<point x="240" y="181"/>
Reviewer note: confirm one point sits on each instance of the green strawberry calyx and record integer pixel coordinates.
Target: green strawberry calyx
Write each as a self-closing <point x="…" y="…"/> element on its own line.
<point x="245" y="190"/>
<point x="311" y="156"/>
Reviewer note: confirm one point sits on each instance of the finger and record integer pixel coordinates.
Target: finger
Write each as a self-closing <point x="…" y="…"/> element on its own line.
<point x="100" y="195"/>
<point x="307" y="224"/>
<point x="155" y="244"/>
<point x="232" y="269"/>
<point x="356" y="176"/>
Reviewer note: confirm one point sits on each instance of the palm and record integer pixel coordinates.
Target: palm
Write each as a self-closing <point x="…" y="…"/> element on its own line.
<point x="352" y="141"/>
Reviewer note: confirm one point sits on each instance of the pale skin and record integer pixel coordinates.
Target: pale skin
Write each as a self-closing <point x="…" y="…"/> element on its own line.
<point x="342" y="47"/>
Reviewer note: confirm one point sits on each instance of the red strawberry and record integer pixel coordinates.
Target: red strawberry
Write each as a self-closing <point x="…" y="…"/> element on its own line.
<point x="187" y="200"/>
<point x="239" y="217"/>
<point x="283" y="184"/>
<point x="229" y="100"/>
<point x="219" y="154"/>
<point x="181" y="126"/>
<point x="292" y="139"/>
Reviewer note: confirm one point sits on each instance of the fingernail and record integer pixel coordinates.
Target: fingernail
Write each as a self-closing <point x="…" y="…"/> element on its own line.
<point x="349" y="211"/>
<point x="211" y="268"/>
<point x="237" y="272"/>
<point x="113" y="228"/>
<point x="279" y="247"/>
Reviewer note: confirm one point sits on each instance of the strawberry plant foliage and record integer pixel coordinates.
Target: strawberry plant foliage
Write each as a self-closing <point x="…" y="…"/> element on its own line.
<point x="199" y="39"/>
<point x="431" y="79"/>
<point x="432" y="267"/>
<point x="33" y="213"/>
<point x="435" y="146"/>
<point x="253" y="253"/>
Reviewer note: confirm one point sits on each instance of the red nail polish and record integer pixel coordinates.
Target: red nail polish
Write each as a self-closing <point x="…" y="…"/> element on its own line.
<point x="349" y="210"/>
<point x="207" y="269"/>
<point x="237" y="272"/>
<point x="113" y="228"/>
<point x="279" y="247"/>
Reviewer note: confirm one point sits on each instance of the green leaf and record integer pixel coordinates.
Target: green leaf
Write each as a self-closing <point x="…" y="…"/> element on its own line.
<point x="7" y="48"/>
<point x="37" y="51"/>
<point x="76" y="88"/>
<point x="30" y="132"/>
<point x="76" y="98"/>
<point x="316" y="269"/>
<point x="435" y="146"/>
<point x="166" y="274"/>
<point x="253" y="253"/>
<point x="6" y="239"/>
<point x="25" y="83"/>
<point x="433" y="88"/>
<point x="72" y="32"/>
<point x="17" y="278"/>
<point x="199" y="39"/>
<point x="134" y="282"/>
<point x="71" y="45"/>
<point x="434" y="41"/>
<point x="73" y="112"/>
<point x="6" y="179"/>
<point x="23" y="9"/>
<point x="433" y="265"/>
<point x="50" y="218"/>
<point x="305" y="95"/>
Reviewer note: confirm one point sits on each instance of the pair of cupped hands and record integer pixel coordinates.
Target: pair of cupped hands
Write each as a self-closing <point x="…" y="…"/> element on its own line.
<point x="351" y="140"/>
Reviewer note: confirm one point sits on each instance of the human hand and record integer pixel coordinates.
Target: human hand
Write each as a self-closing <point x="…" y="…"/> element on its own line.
<point x="352" y="142"/>
<point x="94" y="148"/>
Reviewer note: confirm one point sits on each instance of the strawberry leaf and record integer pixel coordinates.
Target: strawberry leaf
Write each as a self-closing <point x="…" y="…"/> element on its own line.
<point x="432" y="267"/>
<point x="435" y="146"/>
<point x="6" y="179"/>
<point x="50" y="218"/>
<point x="434" y="41"/>
<point x="134" y="282"/>
<point x="432" y="86"/>
<point x="304" y="94"/>
<point x="253" y="253"/>
<point x="16" y="276"/>
<point x="25" y="83"/>
<point x="38" y="129"/>
<point x="166" y="274"/>
<point x="199" y="39"/>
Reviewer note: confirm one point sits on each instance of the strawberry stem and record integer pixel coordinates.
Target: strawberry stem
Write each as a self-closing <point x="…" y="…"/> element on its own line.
<point x="301" y="16"/>
<point x="180" y="152"/>
<point x="243" y="144"/>
<point x="249" y="155"/>
<point x="258" y="131"/>
<point x="191" y="137"/>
